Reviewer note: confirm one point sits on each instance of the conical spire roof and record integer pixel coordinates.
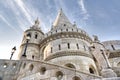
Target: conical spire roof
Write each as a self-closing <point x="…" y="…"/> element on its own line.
<point x="61" y="20"/>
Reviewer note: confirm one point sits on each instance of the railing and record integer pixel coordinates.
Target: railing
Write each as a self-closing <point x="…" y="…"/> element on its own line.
<point x="114" y="78"/>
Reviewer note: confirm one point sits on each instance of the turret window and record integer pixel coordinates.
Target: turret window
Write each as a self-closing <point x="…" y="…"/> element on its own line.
<point x="84" y="47"/>
<point x="66" y="29"/>
<point x="68" y="44"/>
<point x="59" y="75"/>
<point x="51" y="49"/>
<point x="59" y="47"/>
<point x="64" y="24"/>
<point x="72" y="29"/>
<point x="29" y="34"/>
<point x="77" y="46"/>
<point x="36" y="36"/>
<point x="91" y="70"/>
<point x="33" y="56"/>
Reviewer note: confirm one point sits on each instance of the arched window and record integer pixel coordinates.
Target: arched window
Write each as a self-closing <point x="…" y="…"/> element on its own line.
<point x="70" y="65"/>
<point x="5" y="65"/>
<point x="91" y="70"/>
<point x="59" y="75"/>
<point x="31" y="67"/>
<point x="76" y="78"/>
<point x="118" y="64"/>
<point x="29" y="34"/>
<point x="42" y="70"/>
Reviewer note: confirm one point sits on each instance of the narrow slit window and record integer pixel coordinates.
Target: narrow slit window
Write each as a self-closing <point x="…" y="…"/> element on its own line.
<point x="77" y="46"/>
<point x="36" y="36"/>
<point x="51" y="49"/>
<point x="68" y="45"/>
<point x="84" y="48"/>
<point x="59" y="47"/>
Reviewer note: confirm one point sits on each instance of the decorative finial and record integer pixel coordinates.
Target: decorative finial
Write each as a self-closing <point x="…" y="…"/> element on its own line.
<point x="37" y="22"/>
<point x="74" y="24"/>
<point x="95" y="38"/>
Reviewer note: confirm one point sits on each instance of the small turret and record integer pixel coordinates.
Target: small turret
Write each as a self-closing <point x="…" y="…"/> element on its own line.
<point x="29" y="48"/>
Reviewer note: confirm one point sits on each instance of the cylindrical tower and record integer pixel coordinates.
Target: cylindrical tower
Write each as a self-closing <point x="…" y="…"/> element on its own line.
<point x="29" y="48"/>
<point x="67" y="45"/>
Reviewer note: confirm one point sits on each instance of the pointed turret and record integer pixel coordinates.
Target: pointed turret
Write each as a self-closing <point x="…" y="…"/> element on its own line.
<point x="61" y="20"/>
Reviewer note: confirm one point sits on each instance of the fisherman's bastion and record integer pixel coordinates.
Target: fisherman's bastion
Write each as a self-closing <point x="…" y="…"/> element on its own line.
<point x="66" y="52"/>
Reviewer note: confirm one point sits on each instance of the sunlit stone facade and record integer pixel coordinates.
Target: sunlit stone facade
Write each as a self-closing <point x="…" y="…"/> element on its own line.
<point x="66" y="52"/>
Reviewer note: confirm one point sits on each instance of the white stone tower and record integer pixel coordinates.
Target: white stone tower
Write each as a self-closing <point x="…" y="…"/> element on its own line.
<point x="29" y="48"/>
<point x="67" y="45"/>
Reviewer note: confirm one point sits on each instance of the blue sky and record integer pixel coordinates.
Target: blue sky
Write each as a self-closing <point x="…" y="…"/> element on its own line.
<point x="96" y="17"/>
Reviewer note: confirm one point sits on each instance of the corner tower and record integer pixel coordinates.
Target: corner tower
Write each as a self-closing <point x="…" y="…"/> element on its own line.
<point x="29" y="48"/>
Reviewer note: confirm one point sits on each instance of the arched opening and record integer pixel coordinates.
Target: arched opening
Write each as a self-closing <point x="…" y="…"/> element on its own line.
<point x="118" y="64"/>
<point x="33" y="56"/>
<point x="42" y="70"/>
<point x="76" y="78"/>
<point x="91" y="70"/>
<point x="14" y="65"/>
<point x="59" y="75"/>
<point x="5" y="65"/>
<point x="31" y="67"/>
<point x="70" y="65"/>
<point x="29" y="34"/>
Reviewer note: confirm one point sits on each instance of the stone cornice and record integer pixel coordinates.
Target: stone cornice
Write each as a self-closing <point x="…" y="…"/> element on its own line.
<point x="29" y="44"/>
<point x="68" y="53"/>
<point x="34" y="30"/>
<point x="65" y="35"/>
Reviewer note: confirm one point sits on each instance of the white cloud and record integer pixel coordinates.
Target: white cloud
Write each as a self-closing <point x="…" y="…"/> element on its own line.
<point x="24" y="9"/>
<point x="83" y="9"/>
<point x="5" y="20"/>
